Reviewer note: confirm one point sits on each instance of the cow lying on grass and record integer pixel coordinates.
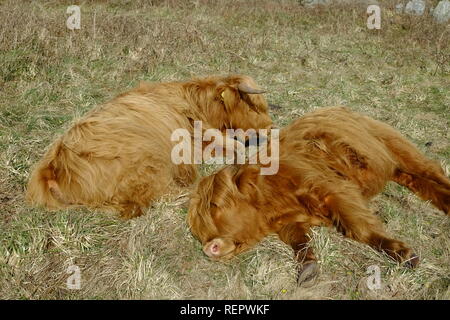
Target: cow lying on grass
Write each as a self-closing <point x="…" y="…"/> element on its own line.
<point x="118" y="156"/>
<point x="332" y="162"/>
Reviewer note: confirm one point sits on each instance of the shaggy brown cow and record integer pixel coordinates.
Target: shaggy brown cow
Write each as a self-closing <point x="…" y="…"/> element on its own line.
<point x="332" y="162"/>
<point x="118" y="156"/>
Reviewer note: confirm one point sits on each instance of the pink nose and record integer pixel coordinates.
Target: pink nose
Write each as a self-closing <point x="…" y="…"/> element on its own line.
<point x="212" y="250"/>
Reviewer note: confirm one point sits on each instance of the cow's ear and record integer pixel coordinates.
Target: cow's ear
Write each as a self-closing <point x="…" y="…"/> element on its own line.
<point x="246" y="179"/>
<point x="230" y="98"/>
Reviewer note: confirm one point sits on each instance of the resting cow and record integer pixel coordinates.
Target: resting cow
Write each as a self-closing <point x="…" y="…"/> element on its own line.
<point x="118" y="156"/>
<point x="332" y="162"/>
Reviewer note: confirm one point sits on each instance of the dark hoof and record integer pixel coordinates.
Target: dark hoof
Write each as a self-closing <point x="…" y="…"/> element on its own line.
<point x="412" y="262"/>
<point x="307" y="272"/>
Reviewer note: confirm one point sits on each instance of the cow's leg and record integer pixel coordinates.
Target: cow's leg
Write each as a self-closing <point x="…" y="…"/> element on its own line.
<point x="419" y="174"/>
<point x="434" y="187"/>
<point x="351" y="216"/>
<point x="295" y="235"/>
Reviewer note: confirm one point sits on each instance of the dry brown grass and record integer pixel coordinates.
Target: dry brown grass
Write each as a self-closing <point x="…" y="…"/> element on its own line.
<point x="307" y="58"/>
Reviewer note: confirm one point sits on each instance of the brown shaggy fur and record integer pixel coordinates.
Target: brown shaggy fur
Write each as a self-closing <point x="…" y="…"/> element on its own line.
<point x="332" y="162"/>
<point x="118" y="156"/>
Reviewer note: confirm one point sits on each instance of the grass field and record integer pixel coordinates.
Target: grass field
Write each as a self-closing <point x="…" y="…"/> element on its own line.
<point x="306" y="58"/>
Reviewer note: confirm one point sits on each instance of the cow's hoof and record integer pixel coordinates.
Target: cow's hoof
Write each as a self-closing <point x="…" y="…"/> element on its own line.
<point x="412" y="262"/>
